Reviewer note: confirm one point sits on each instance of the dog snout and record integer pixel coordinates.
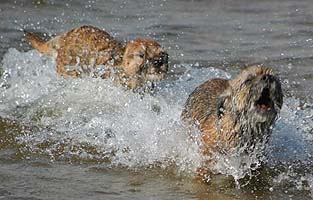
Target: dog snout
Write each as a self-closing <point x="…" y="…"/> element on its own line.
<point x="268" y="78"/>
<point x="161" y="60"/>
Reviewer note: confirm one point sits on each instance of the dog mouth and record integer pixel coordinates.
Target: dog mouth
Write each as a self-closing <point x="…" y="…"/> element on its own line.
<point x="154" y="76"/>
<point x="264" y="103"/>
<point x="155" y="73"/>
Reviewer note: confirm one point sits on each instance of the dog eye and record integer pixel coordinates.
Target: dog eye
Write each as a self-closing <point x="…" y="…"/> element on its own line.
<point x="248" y="80"/>
<point x="141" y="55"/>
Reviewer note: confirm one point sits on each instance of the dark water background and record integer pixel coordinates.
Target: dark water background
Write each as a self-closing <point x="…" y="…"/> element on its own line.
<point x="226" y="35"/>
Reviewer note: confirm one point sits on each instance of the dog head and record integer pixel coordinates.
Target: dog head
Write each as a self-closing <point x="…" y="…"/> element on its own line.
<point x="255" y="98"/>
<point x="144" y="60"/>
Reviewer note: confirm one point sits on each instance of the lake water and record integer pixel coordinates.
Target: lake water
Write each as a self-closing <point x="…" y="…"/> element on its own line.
<point x="63" y="138"/>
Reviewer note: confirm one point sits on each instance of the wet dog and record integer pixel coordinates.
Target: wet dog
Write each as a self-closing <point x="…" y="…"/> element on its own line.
<point x="80" y="50"/>
<point x="237" y="112"/>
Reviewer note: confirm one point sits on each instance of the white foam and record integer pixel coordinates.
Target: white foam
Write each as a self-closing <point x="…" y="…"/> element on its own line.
<point x="131" y="129"/>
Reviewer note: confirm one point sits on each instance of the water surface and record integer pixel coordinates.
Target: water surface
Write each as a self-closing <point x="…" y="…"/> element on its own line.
<point x="91" y="139"/>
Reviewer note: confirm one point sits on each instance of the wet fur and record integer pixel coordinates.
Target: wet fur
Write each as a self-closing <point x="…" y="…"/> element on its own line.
<point x="86" y="47"/>
<point x="224" y="109"/>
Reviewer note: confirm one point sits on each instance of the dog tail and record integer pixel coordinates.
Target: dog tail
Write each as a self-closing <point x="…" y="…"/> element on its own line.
<point x="38" y="43"/>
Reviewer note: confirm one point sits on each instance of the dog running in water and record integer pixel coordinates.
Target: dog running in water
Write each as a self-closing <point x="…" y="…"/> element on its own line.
<point x="235" y="113"/>
<point x="81" y="49"/>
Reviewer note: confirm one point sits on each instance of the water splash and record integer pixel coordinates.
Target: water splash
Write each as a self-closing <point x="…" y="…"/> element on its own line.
<point x="94" y="118"/>
<point x="131" y="129"/>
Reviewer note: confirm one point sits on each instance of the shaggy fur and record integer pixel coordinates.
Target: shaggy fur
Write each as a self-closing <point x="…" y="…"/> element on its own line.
<point x="78" y="51"/>
<point x="235" y="112"/>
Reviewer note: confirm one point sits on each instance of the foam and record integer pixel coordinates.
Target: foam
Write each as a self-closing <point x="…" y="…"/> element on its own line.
<point x="130" y="129"/>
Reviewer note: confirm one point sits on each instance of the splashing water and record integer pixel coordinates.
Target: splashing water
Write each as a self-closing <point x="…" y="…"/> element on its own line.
<point x="126" y="128"/>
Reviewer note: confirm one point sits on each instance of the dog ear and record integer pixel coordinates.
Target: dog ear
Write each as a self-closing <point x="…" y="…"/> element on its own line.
<point x="222" y="102"/>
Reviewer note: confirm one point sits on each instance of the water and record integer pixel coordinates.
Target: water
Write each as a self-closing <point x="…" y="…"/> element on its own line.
<point x="90" y="139"/>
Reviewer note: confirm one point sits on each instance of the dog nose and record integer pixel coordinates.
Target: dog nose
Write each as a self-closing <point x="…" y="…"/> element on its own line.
<point x="161" y="60"/>
<point x="268" y="78"/>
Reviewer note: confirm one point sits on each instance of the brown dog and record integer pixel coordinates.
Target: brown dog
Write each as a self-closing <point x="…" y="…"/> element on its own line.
<point x="78" y="51"/>
<point x="237" y="112"/>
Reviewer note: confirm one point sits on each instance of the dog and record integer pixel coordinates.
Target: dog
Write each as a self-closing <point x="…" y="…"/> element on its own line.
<point x="235" y="113"/>
<point x="80" y="50"/>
